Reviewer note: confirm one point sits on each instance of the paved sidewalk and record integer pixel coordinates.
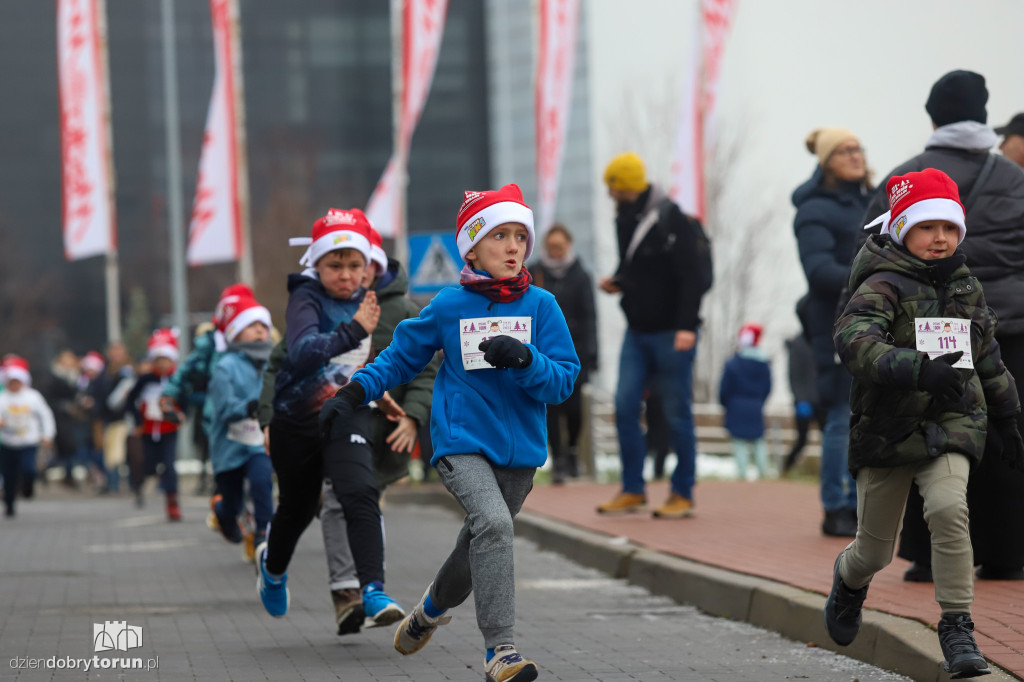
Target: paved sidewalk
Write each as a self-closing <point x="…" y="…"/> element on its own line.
<point x="771" y="530"/>
<point x="68" y="564"/>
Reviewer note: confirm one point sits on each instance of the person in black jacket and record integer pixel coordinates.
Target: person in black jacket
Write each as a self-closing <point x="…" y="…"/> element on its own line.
<point x="827" y="225"/>
<point x="560" y="272"/>
<point x="995" y="253"/>
<point x="659" y="279"/>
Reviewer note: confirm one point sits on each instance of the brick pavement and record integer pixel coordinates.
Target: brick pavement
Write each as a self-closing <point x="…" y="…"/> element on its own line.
<point x="66" y="564"/>
<point x="771" y="529"/>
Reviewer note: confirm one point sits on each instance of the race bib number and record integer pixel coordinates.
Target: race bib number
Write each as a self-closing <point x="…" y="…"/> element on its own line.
<point x="473" y="331"/>
<point x="941" y="335"/>
<point x="246" y="432"/>
<point x="356" y="357"/>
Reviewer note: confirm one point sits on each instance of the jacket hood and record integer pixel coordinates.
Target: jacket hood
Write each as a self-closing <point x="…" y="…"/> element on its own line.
<point x="399" y="281"/>
<point x="846" y="192"/>
<point x="881" y="254"/>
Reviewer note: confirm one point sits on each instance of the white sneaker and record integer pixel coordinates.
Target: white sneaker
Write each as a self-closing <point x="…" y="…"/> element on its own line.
<point x="415" y="631"/>
<point x="508" y="666"/>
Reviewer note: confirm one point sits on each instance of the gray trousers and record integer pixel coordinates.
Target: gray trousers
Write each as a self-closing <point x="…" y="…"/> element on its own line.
<point x="881" y="499"/>
<point x="341" y="567"/>
<point x="482" y="560"/>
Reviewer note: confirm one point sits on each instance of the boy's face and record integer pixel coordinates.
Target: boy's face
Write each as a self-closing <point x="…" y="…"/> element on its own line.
<point x="932" y="239"/>
<point x="341" y="272"/>
<point x="163" y="366"/>
<point x="256" y="332"/>
<point x="14" y="385"/>
<point x="501" y="251"/>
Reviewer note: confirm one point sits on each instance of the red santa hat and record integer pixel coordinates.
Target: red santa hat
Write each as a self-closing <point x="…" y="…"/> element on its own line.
<point x="339" y="229"/>
<point x="481" y="212"/>
<point x="163" y="343"/>
<point x="377" y="254"/>
<point x="239" y="314"/>
<point x="16" y="367"/>
<point x="93" y="361"/>
<point x="918" y="197"/>
<point x="750" y="334"/>
<point x="228" y="294"/>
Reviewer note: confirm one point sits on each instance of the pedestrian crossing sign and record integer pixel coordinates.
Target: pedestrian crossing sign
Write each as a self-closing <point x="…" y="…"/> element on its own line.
<point x="434" y="262"/>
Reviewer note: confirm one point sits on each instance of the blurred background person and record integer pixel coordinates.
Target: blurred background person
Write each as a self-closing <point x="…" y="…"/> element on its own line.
<point x="803" y="383"/>
<point x="560" y="272"/>
<point x="109" y="392"/>
<point x="744" y="388"/>
<point x="60" y="389"/>
<point x="829" y="208"/>
<point x="1012" y="145"/>
<point x="26" y="423"/>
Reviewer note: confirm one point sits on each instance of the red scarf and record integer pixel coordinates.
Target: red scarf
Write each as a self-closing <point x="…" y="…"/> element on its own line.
<point x="498" y="290"/>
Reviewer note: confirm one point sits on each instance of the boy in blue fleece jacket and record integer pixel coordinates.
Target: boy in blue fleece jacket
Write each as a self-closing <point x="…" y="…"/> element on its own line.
<point x="507" y="353"/>
<point x="236" y="439"/>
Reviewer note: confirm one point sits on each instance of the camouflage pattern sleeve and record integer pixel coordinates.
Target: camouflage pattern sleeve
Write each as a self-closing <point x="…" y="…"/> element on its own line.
<point x="863" y="338"/>
<point x="998" y="384"/>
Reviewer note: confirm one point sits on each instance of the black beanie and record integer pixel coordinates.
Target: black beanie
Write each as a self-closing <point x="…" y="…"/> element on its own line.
<point x="958" y="96"/>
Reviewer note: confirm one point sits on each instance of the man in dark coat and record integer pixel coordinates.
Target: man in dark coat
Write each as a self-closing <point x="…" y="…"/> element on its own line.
<point x="659" y="279"/>
<point x="995" y="253"/>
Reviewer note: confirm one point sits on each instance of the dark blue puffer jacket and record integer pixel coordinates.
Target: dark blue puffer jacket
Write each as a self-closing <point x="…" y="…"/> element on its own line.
<point x="746" y="383"/>
<point x="828" y="229"/>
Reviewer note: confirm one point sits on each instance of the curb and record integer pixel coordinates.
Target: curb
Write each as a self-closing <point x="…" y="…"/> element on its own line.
<point x="889" y="642"/>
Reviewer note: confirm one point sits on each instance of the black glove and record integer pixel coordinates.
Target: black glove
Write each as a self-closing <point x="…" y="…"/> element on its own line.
<point x="341" y="406"/>
<point x="940" y="379"/>
<point x="1004" y="441"/>
<point x="252" y="408"/>
<point x="504" y="352"/>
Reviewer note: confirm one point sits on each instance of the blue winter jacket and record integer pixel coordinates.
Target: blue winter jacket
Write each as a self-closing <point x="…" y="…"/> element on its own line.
<point x="746" y="383"/>
<point x="499" y="413"/>
<point x="319" y="330"/>
<point x="236" y="381"/>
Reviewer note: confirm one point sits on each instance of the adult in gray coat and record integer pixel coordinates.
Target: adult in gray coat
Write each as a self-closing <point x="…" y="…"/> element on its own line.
<point x="992" y="190"/>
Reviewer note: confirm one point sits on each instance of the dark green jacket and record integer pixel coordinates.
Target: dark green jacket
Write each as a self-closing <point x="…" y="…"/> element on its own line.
<point x="893" y="423"/>
<point x="415" y="397"/>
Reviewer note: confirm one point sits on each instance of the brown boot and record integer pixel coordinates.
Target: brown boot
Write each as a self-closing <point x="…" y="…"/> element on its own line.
<point x="623" y="503"/>
<point x="676" y="507"/>
<point x="348" y="610"/>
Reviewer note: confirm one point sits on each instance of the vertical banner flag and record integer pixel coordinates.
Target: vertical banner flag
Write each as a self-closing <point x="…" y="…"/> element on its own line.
<point x="696" y="114"/>
<point x="215" y="232"/>
<point x="422" y="30"/>
<point x="86" y="158"/>
<point x="559" y="20"/>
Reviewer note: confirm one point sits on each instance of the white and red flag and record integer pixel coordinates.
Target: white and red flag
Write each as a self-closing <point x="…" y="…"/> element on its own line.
<point x="559" y="21"/>
<point x="215" y="231"/>
<point x="87" y="165"/>
<point x="696" y="112"/>
<point x="422" y="30"/>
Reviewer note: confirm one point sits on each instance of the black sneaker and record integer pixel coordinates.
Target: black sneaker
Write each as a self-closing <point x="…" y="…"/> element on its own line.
<point x="956" y="637"/>
<point x="843" y="609"/>
<point x="838" y="523"/>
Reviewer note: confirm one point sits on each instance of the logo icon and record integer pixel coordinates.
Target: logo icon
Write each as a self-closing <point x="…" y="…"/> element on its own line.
<point x="116" y="635"/>
<point x="899" y="225"/>
<point x="342" y="238"/>
<point x="356" y="438"/>
<point x="475" y="228"/>
<point x="336" y="217"/>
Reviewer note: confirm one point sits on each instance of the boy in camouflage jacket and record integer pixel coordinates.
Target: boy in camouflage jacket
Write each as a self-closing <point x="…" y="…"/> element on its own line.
<point x="915" y="417"/>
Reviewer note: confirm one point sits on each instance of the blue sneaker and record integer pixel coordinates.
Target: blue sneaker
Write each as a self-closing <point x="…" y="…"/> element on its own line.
<point x="273" y="593"/>
<point x="380" y="609"/>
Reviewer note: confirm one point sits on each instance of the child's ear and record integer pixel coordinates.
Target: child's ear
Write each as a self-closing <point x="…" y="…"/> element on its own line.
<point x="470" y="256"/>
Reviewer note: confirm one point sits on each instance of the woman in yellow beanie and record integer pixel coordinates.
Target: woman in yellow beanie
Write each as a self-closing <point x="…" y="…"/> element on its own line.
<point x="830" y="207"/>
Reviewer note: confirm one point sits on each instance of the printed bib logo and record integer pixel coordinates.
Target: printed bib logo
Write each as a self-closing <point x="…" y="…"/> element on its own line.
<point x="475" y="330"/>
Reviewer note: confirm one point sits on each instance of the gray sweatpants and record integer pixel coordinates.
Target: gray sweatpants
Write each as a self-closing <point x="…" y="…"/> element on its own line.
<point x="482" y="560"/>
<point x="341" y="567"/>
<point x="881" y="500"/>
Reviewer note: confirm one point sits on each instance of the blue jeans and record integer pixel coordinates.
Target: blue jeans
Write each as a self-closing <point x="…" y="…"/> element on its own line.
<point x="647" y="356"/>
<point x="231" y="486"/>
<point x="838" y="487"/>
<point x="162" y="451"/>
